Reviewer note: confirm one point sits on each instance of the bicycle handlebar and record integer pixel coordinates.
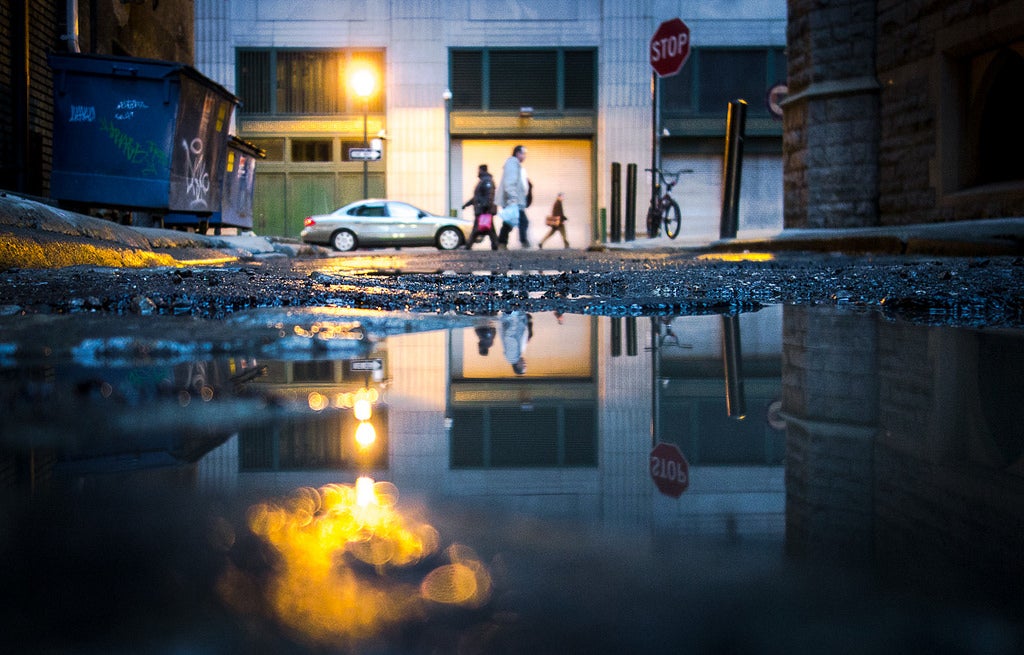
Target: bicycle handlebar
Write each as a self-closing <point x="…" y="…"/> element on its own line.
<point x="664" y="175"/>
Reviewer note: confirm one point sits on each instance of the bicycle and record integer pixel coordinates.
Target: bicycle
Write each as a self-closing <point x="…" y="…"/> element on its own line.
<point x="664" y="210"/>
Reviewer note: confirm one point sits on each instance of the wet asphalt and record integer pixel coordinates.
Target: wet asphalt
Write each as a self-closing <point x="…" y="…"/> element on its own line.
<point x="964" y="291"/>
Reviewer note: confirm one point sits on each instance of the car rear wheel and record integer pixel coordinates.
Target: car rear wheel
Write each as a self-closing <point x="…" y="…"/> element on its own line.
<point x="343" y="240"/>
<point x="449" y="238"/>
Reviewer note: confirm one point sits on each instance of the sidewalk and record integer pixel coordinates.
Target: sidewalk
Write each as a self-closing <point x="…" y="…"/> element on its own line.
<point x="37" y="235"/>
<point x="1003" y="236"/>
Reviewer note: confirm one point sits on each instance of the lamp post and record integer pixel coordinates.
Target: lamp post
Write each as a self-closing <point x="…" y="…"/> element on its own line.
<point x="447" y="96"/>
<point x="363" y="83"/>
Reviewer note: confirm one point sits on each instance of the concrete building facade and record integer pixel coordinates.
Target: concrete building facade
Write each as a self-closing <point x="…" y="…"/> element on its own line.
<point x="570" y="79"/>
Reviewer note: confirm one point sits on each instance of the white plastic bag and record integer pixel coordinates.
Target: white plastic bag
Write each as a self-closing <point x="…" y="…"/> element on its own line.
<point x="509" y="215"/>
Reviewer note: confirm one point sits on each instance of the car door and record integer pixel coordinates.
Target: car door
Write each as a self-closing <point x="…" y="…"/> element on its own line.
<point x="373" y="225"/>
<point x="409" y="225"/>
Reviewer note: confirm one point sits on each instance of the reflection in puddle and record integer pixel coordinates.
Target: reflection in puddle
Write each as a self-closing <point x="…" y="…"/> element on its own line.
<point x="831" y="458"/>
<point x="336" y="547"/>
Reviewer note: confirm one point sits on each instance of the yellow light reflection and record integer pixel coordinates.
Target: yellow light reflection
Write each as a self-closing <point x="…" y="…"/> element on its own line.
<point x="317" y="401"/>
<point x="362" y="409"/>
<point x="335" y="547"/>
<point x="737" y="256"/>
<point x="366" y="434"/>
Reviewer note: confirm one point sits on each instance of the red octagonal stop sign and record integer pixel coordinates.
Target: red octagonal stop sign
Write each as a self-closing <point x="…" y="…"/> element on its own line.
<point x="669" y="469"/>
<point x="670" y="47"/>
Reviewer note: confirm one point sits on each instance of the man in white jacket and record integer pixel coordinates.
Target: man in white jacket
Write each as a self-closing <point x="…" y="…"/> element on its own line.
<point x="512" y="192"/>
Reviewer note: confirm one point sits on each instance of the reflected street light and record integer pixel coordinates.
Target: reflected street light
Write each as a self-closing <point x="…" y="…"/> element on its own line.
<point x="363" y="83"/>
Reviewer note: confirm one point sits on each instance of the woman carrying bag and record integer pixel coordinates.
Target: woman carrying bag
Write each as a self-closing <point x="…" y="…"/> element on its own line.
<point x="556" y="221"/>
<point x="483" y="209"/>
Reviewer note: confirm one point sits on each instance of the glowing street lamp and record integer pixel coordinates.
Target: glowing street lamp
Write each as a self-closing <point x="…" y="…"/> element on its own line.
<point x="363" y="83"/>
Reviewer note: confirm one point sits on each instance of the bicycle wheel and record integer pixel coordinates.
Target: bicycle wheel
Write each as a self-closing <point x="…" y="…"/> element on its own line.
<point x="670" y="216"/>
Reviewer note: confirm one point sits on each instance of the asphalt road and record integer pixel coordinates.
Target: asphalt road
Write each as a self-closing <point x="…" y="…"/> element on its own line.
<point x="970" y="291"/>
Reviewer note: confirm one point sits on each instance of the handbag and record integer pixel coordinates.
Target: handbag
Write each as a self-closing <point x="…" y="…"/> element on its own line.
<point x="553" y="221"/>
<point x="484" y="222"/>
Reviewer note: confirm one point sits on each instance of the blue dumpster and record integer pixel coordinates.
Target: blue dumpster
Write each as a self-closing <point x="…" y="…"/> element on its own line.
<point x="141" y="134"/>
<point x="237" y="179"/>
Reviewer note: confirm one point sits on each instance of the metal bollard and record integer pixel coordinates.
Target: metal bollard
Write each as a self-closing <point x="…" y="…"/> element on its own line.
<point x="616" y="223"/>
<point x="631" y="340"/>
<point x="732" y="357"/>
<point x="735" y="127"/>
<point x="630" y="202"/>
<point x="616" y="336"/>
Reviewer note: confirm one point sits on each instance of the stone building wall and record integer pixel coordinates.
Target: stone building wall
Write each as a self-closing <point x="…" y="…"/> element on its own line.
<point x="901" y="112"/>
<point x="830" y="117"/>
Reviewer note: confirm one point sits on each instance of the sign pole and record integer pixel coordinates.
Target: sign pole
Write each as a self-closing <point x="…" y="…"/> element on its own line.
<point x="655" y="137"/>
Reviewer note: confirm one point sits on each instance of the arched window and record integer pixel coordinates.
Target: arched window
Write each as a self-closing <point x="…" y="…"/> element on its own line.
<point x="1000" y="131"/>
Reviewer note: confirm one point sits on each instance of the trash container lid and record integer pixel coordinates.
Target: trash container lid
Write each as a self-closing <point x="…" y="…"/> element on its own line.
<point x="138" y="67"/>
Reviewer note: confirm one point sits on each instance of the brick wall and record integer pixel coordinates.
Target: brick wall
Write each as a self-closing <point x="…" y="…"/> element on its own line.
<point x="830" y="398"/>
<point x="884" y="110"/>
<point x="830" y="119"/>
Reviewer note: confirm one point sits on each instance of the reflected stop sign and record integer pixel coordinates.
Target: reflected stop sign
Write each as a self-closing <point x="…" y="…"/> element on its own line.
<point x="669" y="469"/>
<point x="670" y="46"/>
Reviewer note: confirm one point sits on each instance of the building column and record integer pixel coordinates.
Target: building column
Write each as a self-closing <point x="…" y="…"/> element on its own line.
<point x="831" y="117"/>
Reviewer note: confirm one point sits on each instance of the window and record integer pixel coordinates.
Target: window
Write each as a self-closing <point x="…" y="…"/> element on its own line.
<point x="403" y="211"/>
<point x="283" y="81"/>
<point x="510" y="436"/>
<point x="311" y="150"/>
<point x="1000" y="137"/>
<point x="553" y="79"/>
<point x="371" y="210"/>
<point x="713" y="77"/>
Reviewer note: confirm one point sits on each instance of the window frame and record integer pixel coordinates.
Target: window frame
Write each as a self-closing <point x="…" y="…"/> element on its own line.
<point x="486" y="77"/>
<point x="349" y="104"/>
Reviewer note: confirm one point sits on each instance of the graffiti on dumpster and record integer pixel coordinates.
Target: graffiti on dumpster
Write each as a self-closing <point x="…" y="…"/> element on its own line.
<point x="197" y="179"/>
<point x="126" y="109"/>
<point x="150" y="156"/>
<point x="82" y="114"/>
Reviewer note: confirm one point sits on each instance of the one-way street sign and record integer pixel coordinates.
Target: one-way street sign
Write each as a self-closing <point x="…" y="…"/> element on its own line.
<point x="364" y="154"/>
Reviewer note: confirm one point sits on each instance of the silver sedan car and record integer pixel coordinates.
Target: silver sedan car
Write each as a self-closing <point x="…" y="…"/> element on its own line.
<point x="374" y="223"/>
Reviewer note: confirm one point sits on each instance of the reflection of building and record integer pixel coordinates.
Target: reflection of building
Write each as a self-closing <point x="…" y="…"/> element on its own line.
<point x="904" y="444"/>
<point x="571" y="438"/>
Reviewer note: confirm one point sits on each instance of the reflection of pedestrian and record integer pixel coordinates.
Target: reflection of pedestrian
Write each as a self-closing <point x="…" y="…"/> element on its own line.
<point x="516" y="330"/>
<point x="483" y="209"/>
<point x="512" y="196"/>
<point x="485" y="338"/>
<point x="556" y="221"/>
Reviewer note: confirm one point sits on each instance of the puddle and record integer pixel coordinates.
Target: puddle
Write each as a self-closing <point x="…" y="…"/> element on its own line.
<point x="348" y="481"/>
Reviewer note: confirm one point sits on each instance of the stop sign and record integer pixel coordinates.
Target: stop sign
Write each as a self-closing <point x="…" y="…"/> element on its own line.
<point x="670" y="46"/>
<point x="669" y="469"/>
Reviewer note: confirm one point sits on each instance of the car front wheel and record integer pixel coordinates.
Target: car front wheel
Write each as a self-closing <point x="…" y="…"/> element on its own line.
<point x="343" y="240"/>
<point x="449" y="238"/>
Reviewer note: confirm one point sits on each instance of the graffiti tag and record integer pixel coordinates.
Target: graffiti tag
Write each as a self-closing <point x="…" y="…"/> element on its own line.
<point x="82" y="114"/>
<point x="197" y="180"/>
<point x="150" y="156"/>
<point x="126" y="109"/>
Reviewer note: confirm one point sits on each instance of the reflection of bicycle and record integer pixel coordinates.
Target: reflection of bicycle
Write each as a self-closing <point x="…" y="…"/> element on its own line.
<point x="665" y="335"/>
<point x="664" y="210"/>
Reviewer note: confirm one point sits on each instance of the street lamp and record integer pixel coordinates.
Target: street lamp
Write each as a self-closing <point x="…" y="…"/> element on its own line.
<point x="447" y="97"/>
<point x="363" y="83"/>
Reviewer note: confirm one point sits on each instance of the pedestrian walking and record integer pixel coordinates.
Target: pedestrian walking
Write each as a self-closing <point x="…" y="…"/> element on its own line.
<point x="483" y="209"/>
<point x="516" y="329"/>
<point x="556" y="221"/>
<point x="512" y="194"/>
